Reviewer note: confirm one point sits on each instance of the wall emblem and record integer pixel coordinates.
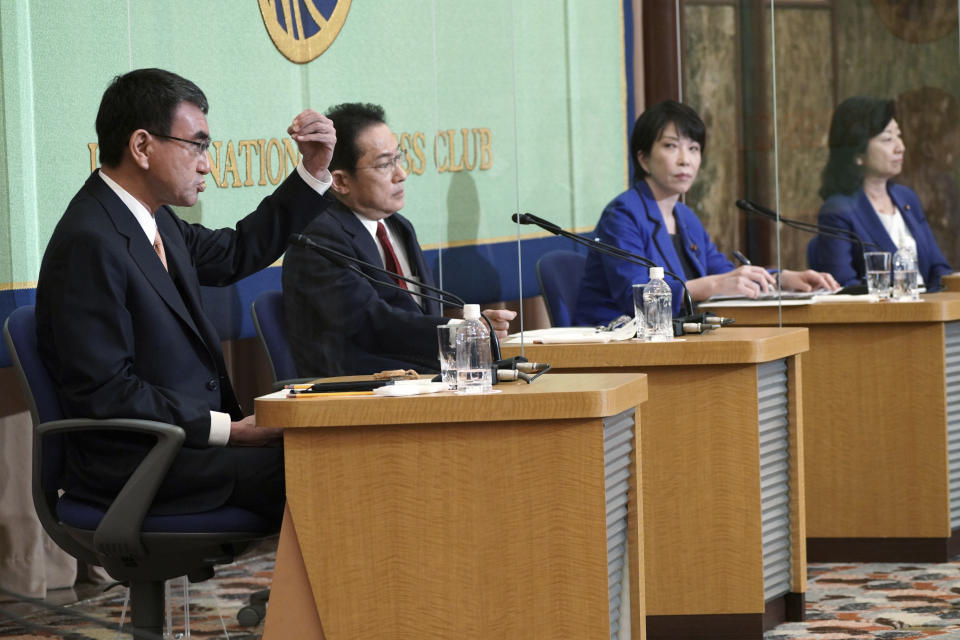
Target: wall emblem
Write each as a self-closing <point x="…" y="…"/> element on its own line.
<point x="303" y="29"/>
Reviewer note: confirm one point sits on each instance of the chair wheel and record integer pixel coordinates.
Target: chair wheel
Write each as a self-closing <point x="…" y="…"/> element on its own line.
<point x="251" y="615"/>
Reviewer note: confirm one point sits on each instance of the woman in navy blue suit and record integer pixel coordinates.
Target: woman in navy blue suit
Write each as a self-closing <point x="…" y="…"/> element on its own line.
<point x="649" y="220"/>
<point x="866" y="153"/>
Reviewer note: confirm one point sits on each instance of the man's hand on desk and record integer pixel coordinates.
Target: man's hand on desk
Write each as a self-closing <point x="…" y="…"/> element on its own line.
<point x="246" y="434"/>
<point x="500" y="320"/>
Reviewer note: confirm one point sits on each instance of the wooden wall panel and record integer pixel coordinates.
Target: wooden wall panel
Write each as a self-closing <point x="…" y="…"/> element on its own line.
<point x="710" y="85"/>
<point x="804" y="107"/>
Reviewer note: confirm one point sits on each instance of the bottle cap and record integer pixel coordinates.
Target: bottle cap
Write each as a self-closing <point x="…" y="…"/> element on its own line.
<point x="656" y="273"/>
<point x="471" y="312"/>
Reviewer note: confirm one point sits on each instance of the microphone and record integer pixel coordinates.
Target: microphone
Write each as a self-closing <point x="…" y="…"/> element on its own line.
<point x="351" y="262"/>
<point x="600" y="247"/>
<point x="617" y="252"/>
<point x="810" y="227"/>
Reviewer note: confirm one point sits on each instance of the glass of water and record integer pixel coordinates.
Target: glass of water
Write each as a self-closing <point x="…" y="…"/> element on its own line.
<point x="447" y="340"/>
<point x="878" y="273"/>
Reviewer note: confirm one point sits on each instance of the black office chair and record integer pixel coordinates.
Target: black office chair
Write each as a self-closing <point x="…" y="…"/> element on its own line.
<point x="134" y="546"/>
<point x="559" y="274"/>
<point x="267" y="311"/>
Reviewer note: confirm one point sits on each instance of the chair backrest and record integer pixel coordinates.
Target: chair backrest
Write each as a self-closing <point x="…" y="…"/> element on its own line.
<point x="20" y="333"/>
<point x="268" y="320"/>
<point x="559" y="274"/>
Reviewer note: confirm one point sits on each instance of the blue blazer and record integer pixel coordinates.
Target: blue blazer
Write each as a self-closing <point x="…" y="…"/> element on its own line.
<point x="854" y="212"/>
<point x="339" y="323"/>
<point x="632" y="221"/>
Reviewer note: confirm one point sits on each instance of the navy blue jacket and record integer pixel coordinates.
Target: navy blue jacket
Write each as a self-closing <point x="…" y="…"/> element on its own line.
<point x="632" y="221"/>
<point x="339" y="323"/>
<point x="854" y="212"/>
<point x="124" y="338"/>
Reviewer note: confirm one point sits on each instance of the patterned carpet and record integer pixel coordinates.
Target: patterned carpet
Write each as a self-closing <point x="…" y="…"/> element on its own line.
<point x="844" y="602"/>
<point x="864" y="601"/>
<point x="99" y="617"/>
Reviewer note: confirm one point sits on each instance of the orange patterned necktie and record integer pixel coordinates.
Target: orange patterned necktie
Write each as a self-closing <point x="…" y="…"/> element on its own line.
<point x="158" y="247"/>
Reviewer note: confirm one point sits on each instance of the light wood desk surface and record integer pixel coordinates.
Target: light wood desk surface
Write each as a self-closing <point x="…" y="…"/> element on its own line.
<point x="877" y="389"/>
<point x="728" y="345"/>
<point x="549" y="397"/>
<point x="470" y="517"/>
<point x="702" y="487"/>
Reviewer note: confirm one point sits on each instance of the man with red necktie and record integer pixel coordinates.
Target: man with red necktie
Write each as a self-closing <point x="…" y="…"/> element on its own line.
<point x="339" y="323"/>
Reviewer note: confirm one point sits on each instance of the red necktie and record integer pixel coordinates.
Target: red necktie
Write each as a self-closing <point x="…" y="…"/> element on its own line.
<point x="389" y="255"/>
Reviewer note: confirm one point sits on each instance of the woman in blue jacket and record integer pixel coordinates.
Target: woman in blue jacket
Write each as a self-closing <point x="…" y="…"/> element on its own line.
<point x="866" y="153"/>
<point x="649" y="220"/>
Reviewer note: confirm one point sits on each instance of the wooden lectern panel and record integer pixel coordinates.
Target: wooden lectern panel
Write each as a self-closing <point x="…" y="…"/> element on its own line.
<point x="462" y="528"/>
<point x="875" y="432"/>
<point x="711" y="568"/>
<point x="427" y="530"/>
<point x="702" y="491"/>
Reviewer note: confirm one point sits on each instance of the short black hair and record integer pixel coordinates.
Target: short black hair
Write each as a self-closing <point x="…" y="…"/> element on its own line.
<point x="654" y="120"/>
<point x="855" y="121"/>
<point x="141" y="99"/>
<point x="350" y="120"/>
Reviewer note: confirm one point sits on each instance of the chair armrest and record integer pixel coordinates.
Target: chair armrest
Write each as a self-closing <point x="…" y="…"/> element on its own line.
<point x="118" y="534"/>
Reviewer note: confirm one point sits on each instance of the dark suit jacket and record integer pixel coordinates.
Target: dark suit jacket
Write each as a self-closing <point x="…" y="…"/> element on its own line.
<point x="854" y="212"/>
<point x="339" y="323"/>
<point x="124" y="338"/>
<point x="632" y="221"/>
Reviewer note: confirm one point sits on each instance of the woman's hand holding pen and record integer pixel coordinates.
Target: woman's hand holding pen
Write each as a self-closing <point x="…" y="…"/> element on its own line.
<point x="808" y="280"/>
<point x="748" y="280"/>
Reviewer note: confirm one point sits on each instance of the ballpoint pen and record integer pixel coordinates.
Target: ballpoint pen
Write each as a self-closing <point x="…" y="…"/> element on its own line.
<point x="742" y="259"/>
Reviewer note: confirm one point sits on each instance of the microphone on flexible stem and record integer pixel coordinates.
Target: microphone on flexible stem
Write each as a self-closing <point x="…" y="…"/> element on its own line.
<point x="600" y="247"/>
<point x="810" y="227"/>
<point x="350" y="262"/>
<point x="682" y="324"/>
<point x="828" y="231"/>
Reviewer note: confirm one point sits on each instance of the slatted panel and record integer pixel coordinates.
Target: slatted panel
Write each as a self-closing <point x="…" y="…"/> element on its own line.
<point x="952" y="362"/>
<point x="774" y="476"/>
<point x="617" y="447"/>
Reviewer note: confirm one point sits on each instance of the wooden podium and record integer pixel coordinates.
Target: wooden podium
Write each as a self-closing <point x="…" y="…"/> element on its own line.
<point x="722" y="475"/>
<point x="881" y="426"/>
<point x="508" y="515"/>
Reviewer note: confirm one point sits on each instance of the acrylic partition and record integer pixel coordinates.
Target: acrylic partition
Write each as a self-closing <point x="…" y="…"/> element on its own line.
<point x="906" y="52"/>
<point x="530" y="118"/>
<point x="767" y="76"/>
<point x="498" y="108"/>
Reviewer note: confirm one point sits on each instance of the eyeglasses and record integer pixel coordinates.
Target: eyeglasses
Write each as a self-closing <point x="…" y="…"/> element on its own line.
<point x="201" y="146"/>
<point x="389" y="166"/>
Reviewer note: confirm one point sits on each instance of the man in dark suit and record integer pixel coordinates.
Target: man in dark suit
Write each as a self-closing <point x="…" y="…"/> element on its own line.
<point x="119" y="318"/>
<point x="338" y="322"/>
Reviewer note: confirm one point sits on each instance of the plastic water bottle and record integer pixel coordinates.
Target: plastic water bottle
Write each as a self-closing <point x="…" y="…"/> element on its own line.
<point x="473" y="353"/>
<point x="657" y="308"/>
<point x="905" y="281"/>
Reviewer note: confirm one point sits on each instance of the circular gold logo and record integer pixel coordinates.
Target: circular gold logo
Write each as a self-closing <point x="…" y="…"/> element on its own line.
<point x="303" y="29"/>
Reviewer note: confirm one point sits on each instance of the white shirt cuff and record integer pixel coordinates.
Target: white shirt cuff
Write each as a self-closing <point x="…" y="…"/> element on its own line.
<point x="320" y="186"/>
<point x="219" y="429"/>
